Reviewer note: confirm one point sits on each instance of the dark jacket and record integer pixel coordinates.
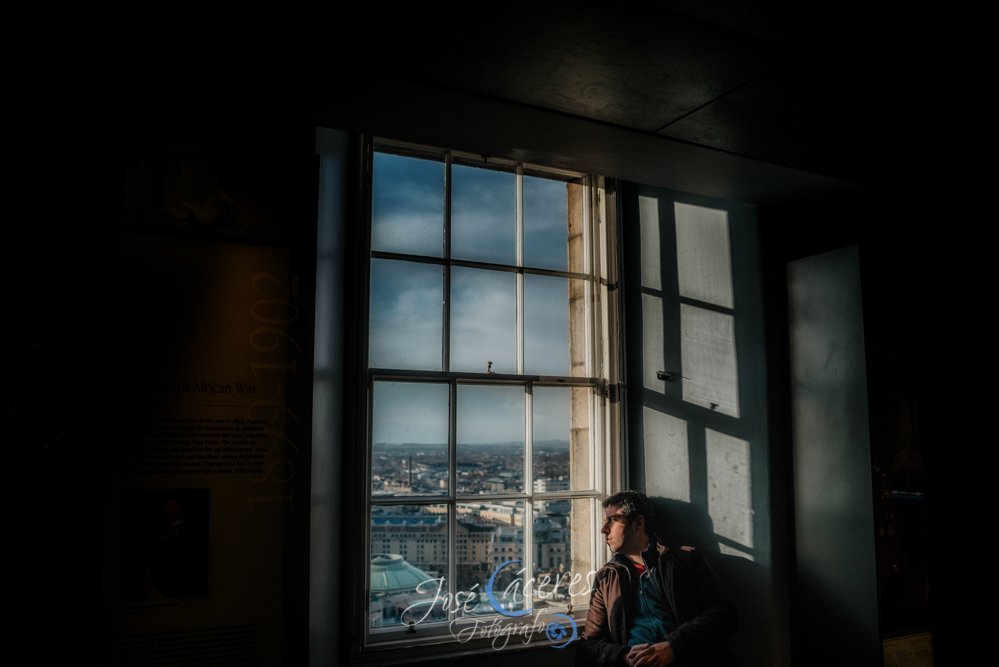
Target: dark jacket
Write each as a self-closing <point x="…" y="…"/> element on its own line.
<point x="705" y="619"/>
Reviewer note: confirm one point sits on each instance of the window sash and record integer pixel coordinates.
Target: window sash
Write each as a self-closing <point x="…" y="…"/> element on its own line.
<point x="597" y="451"/>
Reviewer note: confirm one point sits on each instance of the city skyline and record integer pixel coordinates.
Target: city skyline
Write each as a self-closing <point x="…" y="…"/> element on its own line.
<point x="418" y="413"/>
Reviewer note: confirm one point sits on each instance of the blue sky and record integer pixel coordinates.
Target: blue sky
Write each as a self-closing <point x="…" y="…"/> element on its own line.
<point x="417" y="412"/>
<point x="407" y="297"/>
<point x="408" y="212"/>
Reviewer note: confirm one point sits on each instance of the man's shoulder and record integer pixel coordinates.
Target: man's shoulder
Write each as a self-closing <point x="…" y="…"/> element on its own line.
<point x="610" y="568"/>
<point x="612" y="565"/>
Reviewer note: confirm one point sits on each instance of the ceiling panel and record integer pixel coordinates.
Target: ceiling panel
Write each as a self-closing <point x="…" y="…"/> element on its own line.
<point x="634" y="65"/>
<point x="821" y="87"/>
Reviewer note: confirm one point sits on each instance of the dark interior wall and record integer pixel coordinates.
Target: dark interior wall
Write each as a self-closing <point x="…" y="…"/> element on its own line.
<point x="893" y="250"/>
<point x="215" y="114"/>
<point x="834" y="523"/>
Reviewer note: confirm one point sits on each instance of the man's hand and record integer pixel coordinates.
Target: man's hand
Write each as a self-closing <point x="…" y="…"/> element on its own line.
<point x="650" y="655"/>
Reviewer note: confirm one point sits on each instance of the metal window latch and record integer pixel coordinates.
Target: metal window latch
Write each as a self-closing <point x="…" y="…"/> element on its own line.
<point x="609" y="390"/>
<point x="664" y="375"/>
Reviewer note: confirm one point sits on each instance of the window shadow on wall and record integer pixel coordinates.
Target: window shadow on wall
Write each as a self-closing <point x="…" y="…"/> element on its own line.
<point x="747" y="584"/>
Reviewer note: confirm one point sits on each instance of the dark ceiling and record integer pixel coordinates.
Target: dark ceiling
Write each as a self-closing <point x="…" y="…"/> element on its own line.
<point x="820" y="89"/>
<point x="828" y="89"/>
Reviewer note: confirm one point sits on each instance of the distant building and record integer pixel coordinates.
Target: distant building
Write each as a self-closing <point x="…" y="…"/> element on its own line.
<point x="551" y="485"/>
<point x="394" y="585"/>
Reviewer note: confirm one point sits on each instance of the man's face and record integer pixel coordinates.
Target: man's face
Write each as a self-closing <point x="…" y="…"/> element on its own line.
<point x="623" y="536"/>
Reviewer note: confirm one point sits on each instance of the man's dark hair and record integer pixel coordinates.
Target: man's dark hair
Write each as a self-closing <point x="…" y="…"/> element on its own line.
<point x="633" y="504"/>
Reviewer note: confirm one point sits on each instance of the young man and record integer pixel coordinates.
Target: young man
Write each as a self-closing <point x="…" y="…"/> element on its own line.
<point x="652" y="605"/>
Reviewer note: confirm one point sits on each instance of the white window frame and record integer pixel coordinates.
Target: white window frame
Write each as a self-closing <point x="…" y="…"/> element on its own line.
<point x="603" y="364"/>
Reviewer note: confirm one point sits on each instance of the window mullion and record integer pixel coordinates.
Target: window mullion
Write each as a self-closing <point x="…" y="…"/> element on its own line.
<point x="589" y="312"/>
<point x="446" y="297"/>
<point x="594" y="222"/>
<point x="528" y="563"/>
<point x="452" y="521"/>
<point x="529" y="439"/>
<point x="528" y="528"/>
<point x="520" y="265"/>
<point x="528" y="560"/>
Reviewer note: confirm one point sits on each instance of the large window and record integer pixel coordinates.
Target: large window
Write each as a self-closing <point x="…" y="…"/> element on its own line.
<point x="490" y="419"/>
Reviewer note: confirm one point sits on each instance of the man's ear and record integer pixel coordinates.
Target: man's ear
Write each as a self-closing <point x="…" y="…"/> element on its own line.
<point x="640" y="523"/>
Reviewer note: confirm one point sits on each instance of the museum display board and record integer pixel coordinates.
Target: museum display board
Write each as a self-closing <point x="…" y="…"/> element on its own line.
<point x="211" y="448"/>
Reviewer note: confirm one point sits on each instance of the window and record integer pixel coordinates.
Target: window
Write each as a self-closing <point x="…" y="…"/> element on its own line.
<point x="491" y="430"/>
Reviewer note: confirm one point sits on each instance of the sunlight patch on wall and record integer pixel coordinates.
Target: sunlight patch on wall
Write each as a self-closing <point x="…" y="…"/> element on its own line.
<point x="730" y="497"/>
<point x="648" y="219"/>
<point x="653" y="358"/>
<point x="703" y="256"/>
<point x="707" y="349"/>
<point x="667" y="460"/>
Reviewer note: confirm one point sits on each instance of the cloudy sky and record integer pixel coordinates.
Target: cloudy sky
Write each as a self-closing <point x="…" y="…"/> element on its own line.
<point x="417" y="412"/>
<point x="407" y="300"/>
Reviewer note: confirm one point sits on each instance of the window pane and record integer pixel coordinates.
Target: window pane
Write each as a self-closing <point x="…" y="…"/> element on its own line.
<point x="551" y="536"/>
<point x="407" y="205"/>
<point x="563" y="531"/>
<point x="483" y="321"/>
<point x="409" y="438"/>
<point x="483" y="215"/>
<point x="406" y="315"/>
<point x="489" y="535"/>
<point x="707" y="349"/>
<point x="490" y="428"/>
<point x="408" y="565"/>
<point x="546" y="214"/>
<point x="561" y="427"/>
<point x="546" y="325"/>
<point x="703" y="258"/>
